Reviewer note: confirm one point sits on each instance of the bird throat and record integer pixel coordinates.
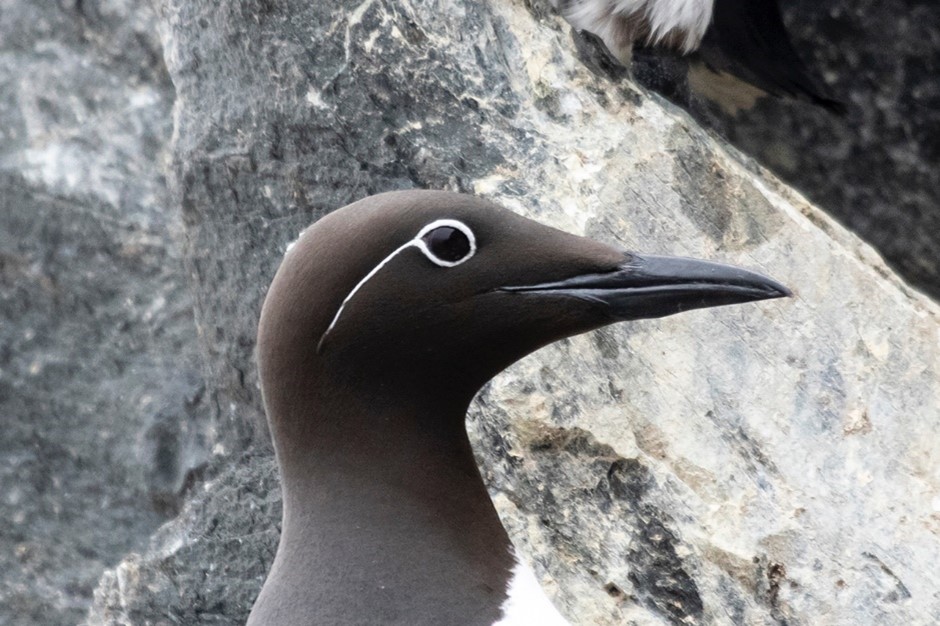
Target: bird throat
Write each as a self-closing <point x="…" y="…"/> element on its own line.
<point x="390" y="525"/>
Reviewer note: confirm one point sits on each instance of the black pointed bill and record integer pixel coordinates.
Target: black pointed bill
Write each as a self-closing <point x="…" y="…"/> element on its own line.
<point x="656" y="286"/>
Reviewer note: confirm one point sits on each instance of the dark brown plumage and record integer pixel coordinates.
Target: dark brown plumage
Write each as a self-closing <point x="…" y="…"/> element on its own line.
<point x="383" y="321"/>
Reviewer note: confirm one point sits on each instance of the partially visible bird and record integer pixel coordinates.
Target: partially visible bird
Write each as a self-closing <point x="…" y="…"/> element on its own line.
<point x="383" y="321"/>
<point x="746" y="39"/>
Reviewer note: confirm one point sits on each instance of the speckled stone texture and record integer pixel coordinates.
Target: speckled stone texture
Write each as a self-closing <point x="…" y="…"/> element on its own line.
<point x="763" y="464"/>
<point x="99" y="379"/>
<point x="877" y="170"/>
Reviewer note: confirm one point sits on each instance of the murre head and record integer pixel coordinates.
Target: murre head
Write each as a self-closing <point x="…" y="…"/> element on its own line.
<point x="382" y="322"/>
<point x="433" y="293"/>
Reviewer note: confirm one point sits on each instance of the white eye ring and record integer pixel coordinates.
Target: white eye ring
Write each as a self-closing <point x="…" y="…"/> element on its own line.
<point x="419" y="242"/>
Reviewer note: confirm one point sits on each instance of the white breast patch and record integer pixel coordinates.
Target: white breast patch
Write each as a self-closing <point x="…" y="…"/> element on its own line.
<point x="527" y="604"/>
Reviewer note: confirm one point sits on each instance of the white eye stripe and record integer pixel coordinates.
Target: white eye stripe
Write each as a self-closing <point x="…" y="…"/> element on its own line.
<point x="417" y="242"/>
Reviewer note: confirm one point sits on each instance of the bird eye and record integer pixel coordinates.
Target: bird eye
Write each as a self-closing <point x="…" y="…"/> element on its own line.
<point x="447" y="242"/>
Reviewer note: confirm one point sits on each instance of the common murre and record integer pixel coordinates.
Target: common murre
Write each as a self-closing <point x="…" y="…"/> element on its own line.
<point x="381" y="324"/>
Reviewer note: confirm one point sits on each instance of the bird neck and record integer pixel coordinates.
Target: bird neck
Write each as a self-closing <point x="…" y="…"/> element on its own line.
<point x="386" y="518"/>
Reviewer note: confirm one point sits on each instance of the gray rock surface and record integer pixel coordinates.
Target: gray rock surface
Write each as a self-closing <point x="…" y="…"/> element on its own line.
<point x="207" y="565"/>
<point x="762" y="464"/>
<point x="99" y="381"/>
<point x="877" y="170"/>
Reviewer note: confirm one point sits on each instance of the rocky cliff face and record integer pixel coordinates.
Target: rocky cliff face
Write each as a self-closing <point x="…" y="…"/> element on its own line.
<point x="100" y="390"/>
<point x="762" y="464"/>
<point x="877" y="170"/>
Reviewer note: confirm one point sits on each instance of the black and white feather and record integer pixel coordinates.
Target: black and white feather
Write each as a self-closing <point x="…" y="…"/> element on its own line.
<point x="743" y="38"/>
<point x="679" y="24"/>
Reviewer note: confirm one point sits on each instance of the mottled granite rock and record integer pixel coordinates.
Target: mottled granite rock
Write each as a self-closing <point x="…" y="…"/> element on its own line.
<point x="877" y="170"/>
<point x="762" y="464"/>
<point x="208" y="564"/>
<point x="99" y="379"/>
